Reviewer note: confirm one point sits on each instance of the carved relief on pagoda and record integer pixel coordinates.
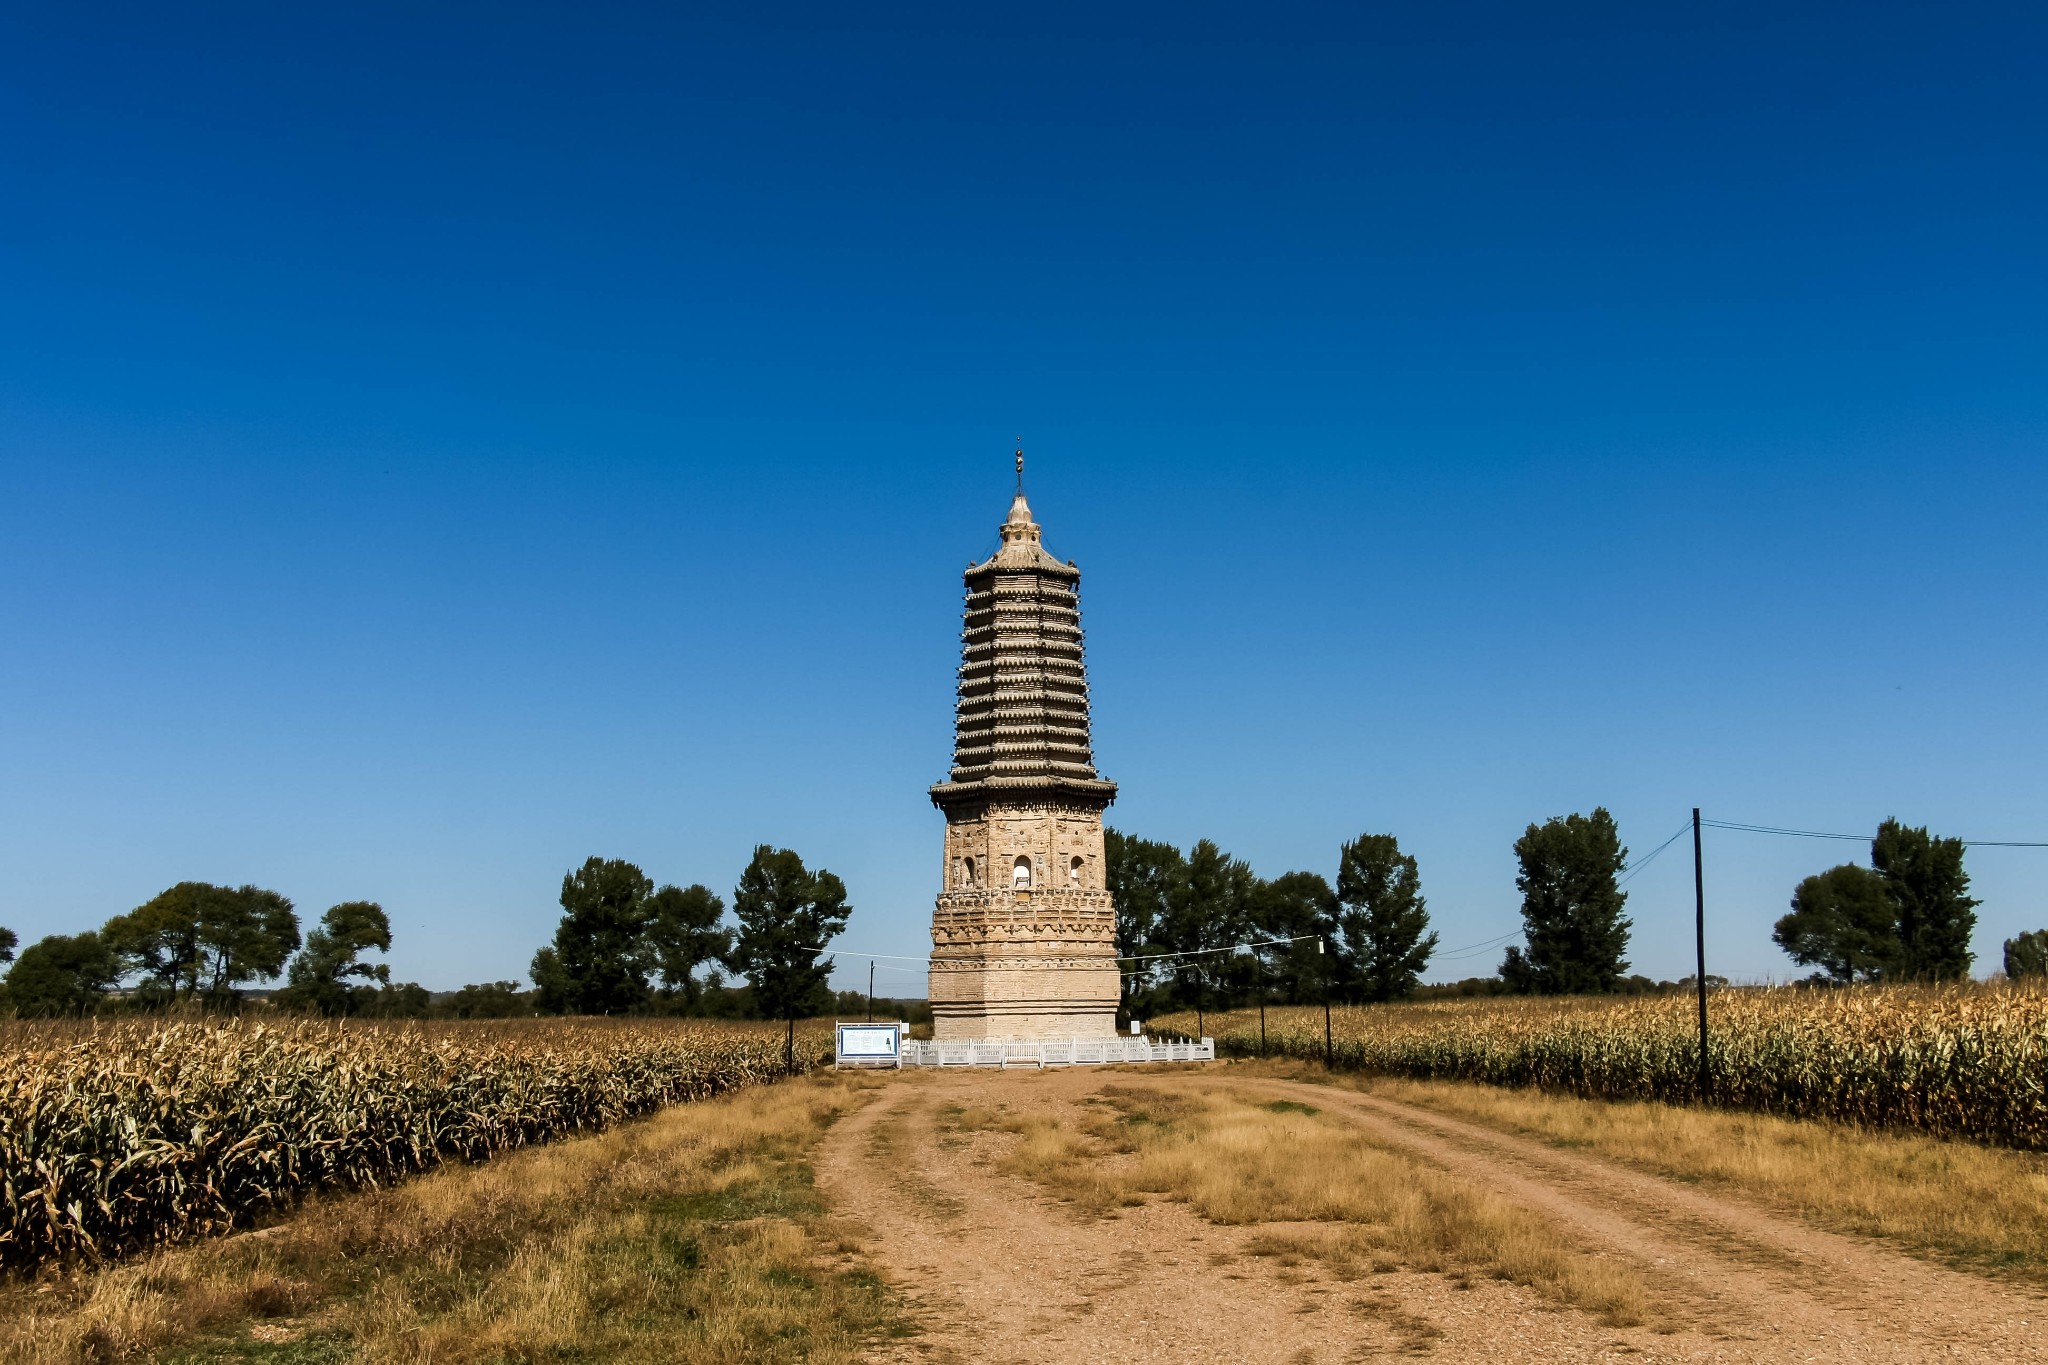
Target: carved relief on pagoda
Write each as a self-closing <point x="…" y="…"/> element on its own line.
<point x="1059" y="851"/>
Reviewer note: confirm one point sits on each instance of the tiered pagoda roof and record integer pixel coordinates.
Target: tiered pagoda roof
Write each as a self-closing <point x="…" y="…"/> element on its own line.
<point x="1021" y="723"/>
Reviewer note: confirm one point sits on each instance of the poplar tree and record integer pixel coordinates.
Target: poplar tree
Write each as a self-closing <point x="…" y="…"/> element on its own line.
<point x="1931" y="894"/>
<point x="1210" y="909"/>
<point x="1144" y="877"/>
<point x="1300" y="907"/>
<point x="1571" y="907"/>
<point x="598" y="962"/>
<point x="787" y="914"/>
<point x="1384" y="920"/>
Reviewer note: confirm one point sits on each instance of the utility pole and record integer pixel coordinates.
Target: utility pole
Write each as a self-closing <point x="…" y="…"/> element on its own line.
<point x="1326" y="1008"/>
<point x="1262" y="1006"/>
<point x="1699" y="926"/>
<point x="871" y="990"/>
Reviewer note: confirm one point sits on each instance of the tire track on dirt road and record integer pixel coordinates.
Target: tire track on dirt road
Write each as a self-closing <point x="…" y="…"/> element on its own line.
<point x="998" y="1271"/>
<point x="1796" y="1292"/>
<point x="1002" y="1273"/>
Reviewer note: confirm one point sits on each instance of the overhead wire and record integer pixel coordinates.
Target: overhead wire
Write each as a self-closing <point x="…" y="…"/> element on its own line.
<point x="1639" y="864"/>
<point x="1861" y="838"/>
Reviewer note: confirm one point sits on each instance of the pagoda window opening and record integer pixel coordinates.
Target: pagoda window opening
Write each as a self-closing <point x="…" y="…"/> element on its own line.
<point x="1074" y="872"/>
<point x="1020" y="875"/>
<point x="967" y="872"/>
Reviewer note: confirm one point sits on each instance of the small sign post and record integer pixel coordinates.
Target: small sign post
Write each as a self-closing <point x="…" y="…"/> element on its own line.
<point x="868" y="1045"/>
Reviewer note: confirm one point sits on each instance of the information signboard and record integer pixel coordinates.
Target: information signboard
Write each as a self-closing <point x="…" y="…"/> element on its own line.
<point x="868" y="1045"/>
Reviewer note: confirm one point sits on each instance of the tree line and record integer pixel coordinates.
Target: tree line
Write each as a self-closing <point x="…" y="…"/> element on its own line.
<point x="1179" y="915"/>
<point x="1363" y="940"/>
<point x="623" y="946"/>
<point x="626" y="946"/>
<point x="197" y="943"/>
<point x="1907" y="917"/>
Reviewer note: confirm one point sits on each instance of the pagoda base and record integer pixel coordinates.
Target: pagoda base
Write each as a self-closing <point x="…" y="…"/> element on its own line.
<point x="1022" y="1026"/>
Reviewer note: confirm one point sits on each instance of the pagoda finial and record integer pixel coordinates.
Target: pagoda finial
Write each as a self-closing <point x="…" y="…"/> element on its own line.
<point x="1020" y="466"/>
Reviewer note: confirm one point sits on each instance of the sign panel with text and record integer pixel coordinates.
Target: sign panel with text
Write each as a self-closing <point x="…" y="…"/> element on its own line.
<point x="868" y="1045"/>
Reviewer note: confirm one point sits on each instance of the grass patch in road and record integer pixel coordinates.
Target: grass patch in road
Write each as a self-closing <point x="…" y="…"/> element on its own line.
<point x="692" y="1236"/>
<point x="887" y="1147"/>
<point x="1972" y="1207"/>
<point x="1344" y="1200"/>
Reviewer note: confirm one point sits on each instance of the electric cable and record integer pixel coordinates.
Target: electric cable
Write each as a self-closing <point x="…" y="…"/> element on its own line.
<point x="1639" y="864"/>
<point x="1861" y="838"/>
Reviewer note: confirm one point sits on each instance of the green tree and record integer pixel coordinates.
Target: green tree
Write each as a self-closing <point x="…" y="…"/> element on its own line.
<point x="551" y="986"/>
<point x="1571" y="907"/>
<point x="683" y="934"/>
<point x="1931" y="893"/>
<point x="1844" y="922"/>
<point x="600" y="960"/>
<point x="404" y="1000"/>
<point x="160" y="938"/>
<point x="199" y="939"/>
<point x="323" y="973"/>
<point x="1299" y="906"/>
<point x="252" y="936"/>
<point x="1209" y="911"/>
<point x="787" y="914"/>
<point x="1384" y="919"/>
<point x="489" y="1000"/>
<point x="2027" y="955"/>
<point x="7" y="942"/>
<point x="1143" y="878"/>
<point x="62" y="974"/>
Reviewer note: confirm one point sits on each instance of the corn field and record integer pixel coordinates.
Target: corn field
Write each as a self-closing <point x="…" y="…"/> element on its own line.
<point x="122" y="1137"/>
<point x="1965" y="1061"/>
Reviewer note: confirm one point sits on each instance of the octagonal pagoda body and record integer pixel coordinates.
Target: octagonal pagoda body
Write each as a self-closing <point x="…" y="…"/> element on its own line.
<point x="1024" y="933"/>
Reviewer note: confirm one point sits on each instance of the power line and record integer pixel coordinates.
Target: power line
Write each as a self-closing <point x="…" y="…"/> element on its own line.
<point x="884" y="957"/>
<point x="1227" y="948"/>
<point x="1143" y="957"/>
<point x="1474" y="949"/>
<point x="1639" y="864"/>
<point x="1861" y="838"/>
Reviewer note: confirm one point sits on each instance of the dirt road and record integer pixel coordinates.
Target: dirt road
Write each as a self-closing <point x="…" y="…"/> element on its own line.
<point x="1003" y="1273"/>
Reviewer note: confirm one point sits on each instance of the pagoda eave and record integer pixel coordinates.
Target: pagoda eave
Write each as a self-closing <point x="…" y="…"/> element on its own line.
<point x="946" y="794"/>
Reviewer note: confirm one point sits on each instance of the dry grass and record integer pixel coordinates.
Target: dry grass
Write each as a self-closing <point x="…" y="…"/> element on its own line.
<point x="693" y="1235"/>
<point x="1974" y="1207"/>
<point x="1319" y="1189"/>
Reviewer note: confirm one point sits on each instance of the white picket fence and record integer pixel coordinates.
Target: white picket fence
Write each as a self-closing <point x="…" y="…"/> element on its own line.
<point x="1042" y="1053"/>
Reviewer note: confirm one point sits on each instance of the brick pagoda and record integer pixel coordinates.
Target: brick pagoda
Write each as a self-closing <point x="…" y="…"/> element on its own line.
<point x="1023" y="937"/>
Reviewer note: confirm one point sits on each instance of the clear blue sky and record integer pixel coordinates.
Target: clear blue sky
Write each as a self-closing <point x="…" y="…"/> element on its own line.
<point x="439" y="445"/>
